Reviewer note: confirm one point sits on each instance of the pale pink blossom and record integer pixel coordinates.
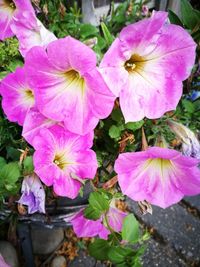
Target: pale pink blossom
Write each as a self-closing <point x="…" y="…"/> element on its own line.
<point x="158" y="175"/>
<point x="10" y="10"/>
<point x="64" y="160"/>
<point x="146" y="64"/>
<point x="17" y="96"/>
<point x="68" y="86"/>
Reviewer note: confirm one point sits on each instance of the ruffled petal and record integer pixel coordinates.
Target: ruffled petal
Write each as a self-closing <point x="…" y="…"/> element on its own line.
<point x="162" y="178"/>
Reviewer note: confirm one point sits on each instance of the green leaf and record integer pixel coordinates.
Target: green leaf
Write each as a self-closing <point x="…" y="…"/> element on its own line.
<point x="10" y="172"/>
<point x="107" y="35"/>
<point x="99" y="249"/>
<point x="174" y="19"/>
<point x="115" y="132"/>
<point x="116" y="115"/>
<point x="119" y="254"/>
<point x="98" y="202"/>
<point x="92" y="213"/>
<point x="130" y="229"/>
<point x="2" y="162"/>
<point x="134" y="125"/>
<point x="189" y="15"/>
<point x="14" y="64"/>
<point x="188" y="105"/>
<point x="88" y="30"/>
<point x="28" y="164"/>
<point x="13" y="153"/>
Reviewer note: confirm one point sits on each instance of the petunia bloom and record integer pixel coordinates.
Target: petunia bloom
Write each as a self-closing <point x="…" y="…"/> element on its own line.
<point x="158" y="175"/>
<point x="68" y="86"/>
<point x="34" y="122"/>
<point x="190" y="143"/>
<point x="84" y="227"/>
<point x="33" y="194"/>
<point x="31" y="32"/>
<point x="3" y="263"/>
<point x="10" y="10"/>
<point x="146" y="64"/>
<point x="64" y="160"/>
<point x="17" y="96"/>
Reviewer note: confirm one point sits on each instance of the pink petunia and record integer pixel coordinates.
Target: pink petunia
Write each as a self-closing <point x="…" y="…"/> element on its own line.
<point x="68" y="85"/>
<point x="158" y="175"/>
<point x="34" y="122"/>
<point x="64" y="160"/>
<point x="3" y="263"/>
<point x="33" y="194"/>
<point x="146" y="64"/>
<point x="17" y="96"/>
<point x="31" y="32"/>
<point x="84" y="227"/>
<point x="10" y="10"/>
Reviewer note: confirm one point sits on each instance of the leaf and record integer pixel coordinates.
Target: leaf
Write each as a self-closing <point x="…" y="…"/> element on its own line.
<point x="10" y="172"/>
<point x="91" y="213"/>
<point x="13" y="153"/>
<point x="188" y="105"/>
<point x="190" y="16"/>
<point x="88" y="30"/>
<point x="134" y="125"/>
<point x="99" y="249"/>
<point x="98" y="202"/>
<point x="28" y="164"/>
<point x="116" y="115"/>
<point x="174" y="19"/>
<point x="119" y="254"/>
<point x="107" y="35"/>
<point x="2" y="162"/>
<point x="115" y="132"/>
<point x="130" y="229"/>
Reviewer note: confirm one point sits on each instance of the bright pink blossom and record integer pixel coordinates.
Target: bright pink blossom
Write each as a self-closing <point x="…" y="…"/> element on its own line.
<point x="146" y="64"/>
<point x="84" y="227"/>
<point x="3" y="263"/>
<point x="34" y="122"/>
<point x="10" y="10"/>
<point x="68" y="85"/>
<point x="17" y="96"/>
<point x="158" y="175"/>
<point x="31" y="32"/>
<point x="64" y="160"/>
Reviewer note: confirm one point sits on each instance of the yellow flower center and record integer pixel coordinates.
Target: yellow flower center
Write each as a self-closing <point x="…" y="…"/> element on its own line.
<point x="28" y="96"/>
<point x="73" y="77"/>
<point x="134" y="63"/>
<point x="9" y="4"/>
<point x="61" y="160"/>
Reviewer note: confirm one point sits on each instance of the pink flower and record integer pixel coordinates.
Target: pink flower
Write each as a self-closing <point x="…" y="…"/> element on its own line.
<point x="33" y="194"/>
<point x="10" y="10"/>
<point x="84" y="227"/>
<point x="31" y="32"/>
<point x="34" y="122"/>
<point x="64" y="160"/>
<point x="160" y="176"/>
<point x="68" y="84"/>
<point x="18" y="96"/>
<point x="145" y="67"/>
<point x="3" y="263"/>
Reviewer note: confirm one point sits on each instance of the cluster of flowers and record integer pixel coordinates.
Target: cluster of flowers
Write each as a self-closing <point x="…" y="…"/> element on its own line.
<point x="60" y="95"/>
